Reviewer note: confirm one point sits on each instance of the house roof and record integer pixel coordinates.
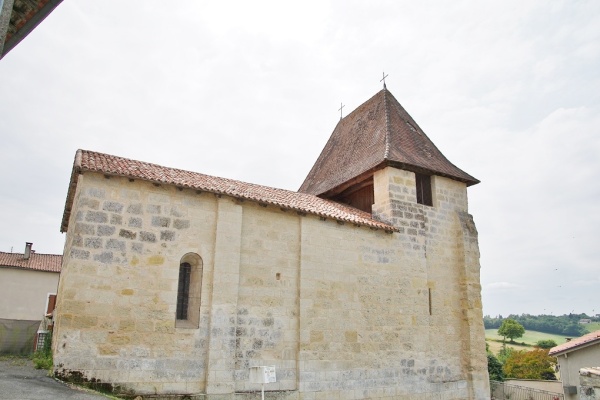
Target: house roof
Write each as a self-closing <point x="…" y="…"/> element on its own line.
<point x="305" y="203"/>
<point x="377" y="134"/>
<point x="24" y="17"/>
<point x="36" y="261"/>
<point x="576" y="344"/>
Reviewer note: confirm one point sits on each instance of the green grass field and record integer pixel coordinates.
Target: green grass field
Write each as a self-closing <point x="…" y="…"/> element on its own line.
<point x="529" y="338"/>
<point x="594" y="326"/>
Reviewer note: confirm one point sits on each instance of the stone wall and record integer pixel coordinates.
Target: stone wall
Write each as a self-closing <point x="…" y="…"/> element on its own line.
<point x="589" y="383"/>
<point x="342" y="311"/>
<point x="115" y="318"/>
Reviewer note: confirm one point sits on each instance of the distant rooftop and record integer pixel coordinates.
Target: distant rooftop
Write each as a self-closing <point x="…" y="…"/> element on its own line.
<point x="576" y="344"/>
<point x="38" y="262"/>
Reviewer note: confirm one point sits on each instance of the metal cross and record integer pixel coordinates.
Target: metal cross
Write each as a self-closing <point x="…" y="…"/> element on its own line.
<point x="340" y="109"/>
<point x="383" y="80"/>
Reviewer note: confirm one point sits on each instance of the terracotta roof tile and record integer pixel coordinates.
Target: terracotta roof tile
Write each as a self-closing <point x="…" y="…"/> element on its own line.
<point x="38" y="262"/>
<point x="377" y="134"/>
<point x="306" y="203"/>
<point x="574" y="343"/>
<point x="24" y="17"/>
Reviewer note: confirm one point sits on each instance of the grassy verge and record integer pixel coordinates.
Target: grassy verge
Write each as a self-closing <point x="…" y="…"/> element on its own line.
<point x="16" y="360"/>
<point x="529" y="339"/>
<point x="594" y="326"/>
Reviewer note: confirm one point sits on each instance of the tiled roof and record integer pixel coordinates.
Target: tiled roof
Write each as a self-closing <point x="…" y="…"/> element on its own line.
<point x="36" y="261"/>
<point x="575" y="343"/>
<point x="377" y="134"/>
<point x="25" y="16"/>
<point x="301" y="202"/>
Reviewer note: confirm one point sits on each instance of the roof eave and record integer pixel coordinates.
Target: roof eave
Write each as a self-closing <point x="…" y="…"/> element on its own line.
<point x="75" y="172"/>
<point x="577" y="347"/>
<point x="418" y="169"/>
<point x="29" y="26"/>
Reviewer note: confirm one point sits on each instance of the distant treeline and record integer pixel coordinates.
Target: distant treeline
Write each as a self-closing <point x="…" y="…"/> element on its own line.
<point x="567" y="325"/>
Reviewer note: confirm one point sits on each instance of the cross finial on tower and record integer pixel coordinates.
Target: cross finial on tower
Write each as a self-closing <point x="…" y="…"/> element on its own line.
<point x="340" y="109"/>
<point x="383" y="80"/>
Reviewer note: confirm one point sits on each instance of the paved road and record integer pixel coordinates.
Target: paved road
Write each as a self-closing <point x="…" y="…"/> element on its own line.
<point x="20" y="381"/>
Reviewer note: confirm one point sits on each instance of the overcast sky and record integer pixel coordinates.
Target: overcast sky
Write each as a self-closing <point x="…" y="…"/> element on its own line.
<point x="509" y="92"/>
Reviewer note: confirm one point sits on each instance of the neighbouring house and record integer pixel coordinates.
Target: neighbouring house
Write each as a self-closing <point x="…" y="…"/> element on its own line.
<point x="585" y="321"/>
<point x="19" y="17"/>
<point x="574" y="355"/>
<point x="363" y="284"/>
<point x="28" y="283"/>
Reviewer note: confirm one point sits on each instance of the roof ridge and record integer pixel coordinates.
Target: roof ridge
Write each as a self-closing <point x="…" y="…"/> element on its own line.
<point x="387" y="123"/>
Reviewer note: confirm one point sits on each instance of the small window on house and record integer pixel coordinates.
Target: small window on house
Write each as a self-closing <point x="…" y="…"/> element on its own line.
<point x="424" y="189"/>
<point x="41" y="342"/>
<point x="187" y="313"/>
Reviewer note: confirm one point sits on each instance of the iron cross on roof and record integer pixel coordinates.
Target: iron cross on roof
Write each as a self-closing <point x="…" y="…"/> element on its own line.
<point x="340" y="109"/>
<point x="383" y="80"/>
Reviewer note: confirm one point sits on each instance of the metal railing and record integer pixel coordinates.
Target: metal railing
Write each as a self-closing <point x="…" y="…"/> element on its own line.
<point x="504" y="391"/>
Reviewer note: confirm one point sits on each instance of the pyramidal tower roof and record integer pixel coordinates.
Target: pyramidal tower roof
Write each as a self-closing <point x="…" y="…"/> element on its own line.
<point x="377" y="134"/>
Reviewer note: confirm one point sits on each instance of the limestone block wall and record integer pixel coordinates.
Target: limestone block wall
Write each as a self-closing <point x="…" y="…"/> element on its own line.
<point x="117" y="293"/>
<point x="268" y="302"/>
<point x="444" y="236"/>
<point x="342" y="311"/>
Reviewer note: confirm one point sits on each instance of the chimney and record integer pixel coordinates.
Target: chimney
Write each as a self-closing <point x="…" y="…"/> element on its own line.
<point x="27" y="250"/>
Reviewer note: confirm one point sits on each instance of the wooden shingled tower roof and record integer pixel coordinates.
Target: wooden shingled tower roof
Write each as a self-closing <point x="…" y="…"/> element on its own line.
<point x="377" y="134"/>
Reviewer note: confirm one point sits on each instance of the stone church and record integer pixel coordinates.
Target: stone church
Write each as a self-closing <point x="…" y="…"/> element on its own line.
<point x="364" y="284"/>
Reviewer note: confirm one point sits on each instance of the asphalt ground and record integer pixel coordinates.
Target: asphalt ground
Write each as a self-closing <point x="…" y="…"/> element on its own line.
<point x="19" y="380"/>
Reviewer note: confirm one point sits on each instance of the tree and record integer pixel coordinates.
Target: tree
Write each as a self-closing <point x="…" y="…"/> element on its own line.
<point x="535" y="364"/>
<point x="504" y="353"/>
<point x="495" y="368"/>
<point x="511" y="329"/>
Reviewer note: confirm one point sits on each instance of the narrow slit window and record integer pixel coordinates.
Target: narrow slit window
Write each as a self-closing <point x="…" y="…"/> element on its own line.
<point x="183" y="290"/>
<point x="189" y="291"/>
<point x="424" y="189"/>
<point x="430" y="310"/>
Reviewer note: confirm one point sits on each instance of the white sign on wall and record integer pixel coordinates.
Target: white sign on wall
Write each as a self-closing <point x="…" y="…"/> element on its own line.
<point x="263" y="374"/>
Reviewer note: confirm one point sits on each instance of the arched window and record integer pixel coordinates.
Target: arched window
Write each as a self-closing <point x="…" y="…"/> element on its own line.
<point x="187" y="314"/>
<point x="183" y="291"/>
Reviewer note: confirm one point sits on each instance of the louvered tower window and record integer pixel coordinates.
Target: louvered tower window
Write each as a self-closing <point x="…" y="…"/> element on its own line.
<point x="424" y="189"/>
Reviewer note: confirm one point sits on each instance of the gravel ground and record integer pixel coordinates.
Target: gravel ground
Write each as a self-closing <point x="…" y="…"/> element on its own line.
<point x="19" y="380"/>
